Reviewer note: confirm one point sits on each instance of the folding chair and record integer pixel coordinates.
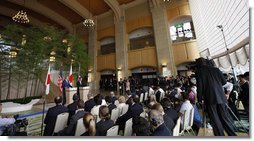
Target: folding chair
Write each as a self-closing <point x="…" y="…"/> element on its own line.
<point x="128" y="127"/>
<point x="61" y="122"/>
<point x="113" y="131"/>
<point x="80" y="128"/>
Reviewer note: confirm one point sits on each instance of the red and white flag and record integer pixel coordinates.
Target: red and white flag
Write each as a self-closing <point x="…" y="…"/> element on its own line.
<point x="70" y="76"/>
<point x="47" y="82"/>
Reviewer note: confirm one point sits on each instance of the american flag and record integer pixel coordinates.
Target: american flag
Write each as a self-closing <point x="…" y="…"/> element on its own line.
<point x="60" y="80"/>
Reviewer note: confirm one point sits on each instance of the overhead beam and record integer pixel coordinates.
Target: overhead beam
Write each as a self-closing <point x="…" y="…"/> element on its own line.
<point x="114" y="5"/>
<point x="39" y="8"/>
<point x="77" y="7"/>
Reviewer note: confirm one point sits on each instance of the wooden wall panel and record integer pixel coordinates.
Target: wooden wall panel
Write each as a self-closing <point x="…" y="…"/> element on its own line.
<point x="149" y="57"/>
<point x="185" y="52"/>
<point x="106" y="32"/>
<point x="134" y="59"/>
<point x="138" y="23"/>
<point x="181" y="10"/>
<point x="184" y="10"/>
<point x="106" y="62"/>
<point x="192" y="50"/>
<point x="179" y="53"/>
<point x="142" y="58"/>
<point x="173" y="13"/>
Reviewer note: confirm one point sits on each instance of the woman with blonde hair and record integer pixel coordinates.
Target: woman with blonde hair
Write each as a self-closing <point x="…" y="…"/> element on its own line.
<point x="89" y="123"/>
<point x="122" y="103"/>
<point x="152" y="101"/>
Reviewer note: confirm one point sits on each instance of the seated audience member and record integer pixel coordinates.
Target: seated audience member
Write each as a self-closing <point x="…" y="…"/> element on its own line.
<point x="113" y="97"/>
<point x="89" y="123"/>
<point x="169" y="109"/>
<point x="158" y="125"/>
<point x="178" y="90"/>
<point x="89" y="104"/>
<point x="121" y="104"/>
<point x="98" y="102"/>
<point x="140" y="126"/>
<point x="4" y="121"/>
<point x="152" y="101"/>
<point x="51" y="116"/>
<point x="105" y="123"/>
<point x="70" y="130"/>
<point x="135" y="109"/>
<point x="158" y="93"/>
<point x="185" y="108"/>
<point x="73" y="106"/>
<point x="150" y="90"/>
<point x="111" y="106"/>
<point x="167" y="120"/>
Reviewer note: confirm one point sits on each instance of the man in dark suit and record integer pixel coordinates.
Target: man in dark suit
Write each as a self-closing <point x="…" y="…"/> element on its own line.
<point x="73" y="106"/>
<point x="168" y="109"/>
<point x="50" y="119"/>
<point x="209" y="87"/>
<point x="66" y="84"/>
<point x="111" y="106"/>
<point x="79" y="84"/>
<point x="167" y="120"/>
<point x="158" y="125"/>
<point x="135" y="109"/>
<point x="120" y="84"/>
<point x="89" y="104"/>
<point x="113" y="97"/>
<point x="105" y="123"/>
<point x="70" y="130"/>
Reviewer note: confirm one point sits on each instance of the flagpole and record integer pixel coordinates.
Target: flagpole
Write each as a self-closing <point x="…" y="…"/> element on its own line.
<point x="43" y="110"/>
<point x="47" y="83"/>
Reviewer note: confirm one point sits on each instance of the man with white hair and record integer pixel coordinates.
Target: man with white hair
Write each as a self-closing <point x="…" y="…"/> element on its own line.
<point x="157" y="122"/>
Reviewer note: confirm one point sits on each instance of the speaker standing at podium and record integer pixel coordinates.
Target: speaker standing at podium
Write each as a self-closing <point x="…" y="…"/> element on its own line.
<point x="79" y="84"/>
<point x="66" y="84"/>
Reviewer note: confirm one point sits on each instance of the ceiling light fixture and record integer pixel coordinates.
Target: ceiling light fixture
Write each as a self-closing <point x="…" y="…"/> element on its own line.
<point x="21" y="17"/>
<point x="89" y="21"/>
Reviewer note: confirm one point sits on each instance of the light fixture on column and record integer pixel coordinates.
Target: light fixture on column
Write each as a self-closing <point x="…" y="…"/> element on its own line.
<point x="89" y="21"/>
<point x="21" y="17"/>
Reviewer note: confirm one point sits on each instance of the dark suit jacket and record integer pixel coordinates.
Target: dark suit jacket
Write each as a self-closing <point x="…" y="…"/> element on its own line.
<point x="89" y="104"/>
<point x="169" y="122"/>
<point x="66" y="84"/>
<point x="113" y="99"/>
<point x="133" y="111"/>
<point x="102" y="127"/>
<point x="50" y="119"/>
<point x="172" y="114"/>
<point x="209" y="85"/>
<point x="244" y="93"/>
<point x="157" y="95"/>
<point x="72" y="109"/>
<point x="162" y="130"/>
<point x="70" y="130"/>
<point x="79" y="84"/>
<point x="111" y="107"/>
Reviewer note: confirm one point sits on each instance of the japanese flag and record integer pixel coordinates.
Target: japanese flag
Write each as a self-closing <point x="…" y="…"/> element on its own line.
<point x="47" y="82"/>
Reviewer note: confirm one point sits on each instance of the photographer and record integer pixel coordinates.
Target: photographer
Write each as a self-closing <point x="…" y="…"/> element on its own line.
<point x="5" y="121"/>
<point x="209" y="88"/>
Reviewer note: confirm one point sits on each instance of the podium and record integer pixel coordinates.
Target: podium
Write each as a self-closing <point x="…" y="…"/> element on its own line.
<point x="83" y="91"/>
<point x="69" y="94"/>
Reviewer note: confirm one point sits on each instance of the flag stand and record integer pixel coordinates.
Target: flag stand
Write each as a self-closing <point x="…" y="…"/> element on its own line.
<point x="43" y="111"/>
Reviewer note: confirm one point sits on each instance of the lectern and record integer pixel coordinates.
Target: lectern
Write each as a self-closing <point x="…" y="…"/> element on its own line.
<point x="83" y="91"/>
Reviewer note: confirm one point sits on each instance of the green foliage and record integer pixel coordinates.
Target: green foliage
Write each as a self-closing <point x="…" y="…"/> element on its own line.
<point x="34" y="47"/>
<point x="22" y="100"/>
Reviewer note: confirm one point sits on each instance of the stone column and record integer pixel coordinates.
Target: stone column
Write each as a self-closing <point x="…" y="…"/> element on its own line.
<point x="162" y="39"/>
<point x="92" y="52"/>
<point x="121" y="46"/>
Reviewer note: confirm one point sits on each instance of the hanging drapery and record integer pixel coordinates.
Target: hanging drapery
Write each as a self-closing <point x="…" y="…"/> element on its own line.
<point x="216" y="61"/>
<point x="224" y="62"/>
<point x="242" y="56"/>
<point x="233" y="59"/>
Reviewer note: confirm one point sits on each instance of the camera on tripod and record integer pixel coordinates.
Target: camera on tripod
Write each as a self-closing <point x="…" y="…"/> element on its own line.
<point x="17" y="129"/>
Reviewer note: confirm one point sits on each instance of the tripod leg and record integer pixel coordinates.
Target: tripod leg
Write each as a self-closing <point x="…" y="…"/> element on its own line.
<point x="237" y="119"/>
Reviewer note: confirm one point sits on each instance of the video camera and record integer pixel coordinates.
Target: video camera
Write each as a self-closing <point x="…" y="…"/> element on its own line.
<point x="16" y="128"/>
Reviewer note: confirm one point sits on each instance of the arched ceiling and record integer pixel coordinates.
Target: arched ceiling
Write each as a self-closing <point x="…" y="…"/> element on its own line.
<point x="65" y="14"/>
